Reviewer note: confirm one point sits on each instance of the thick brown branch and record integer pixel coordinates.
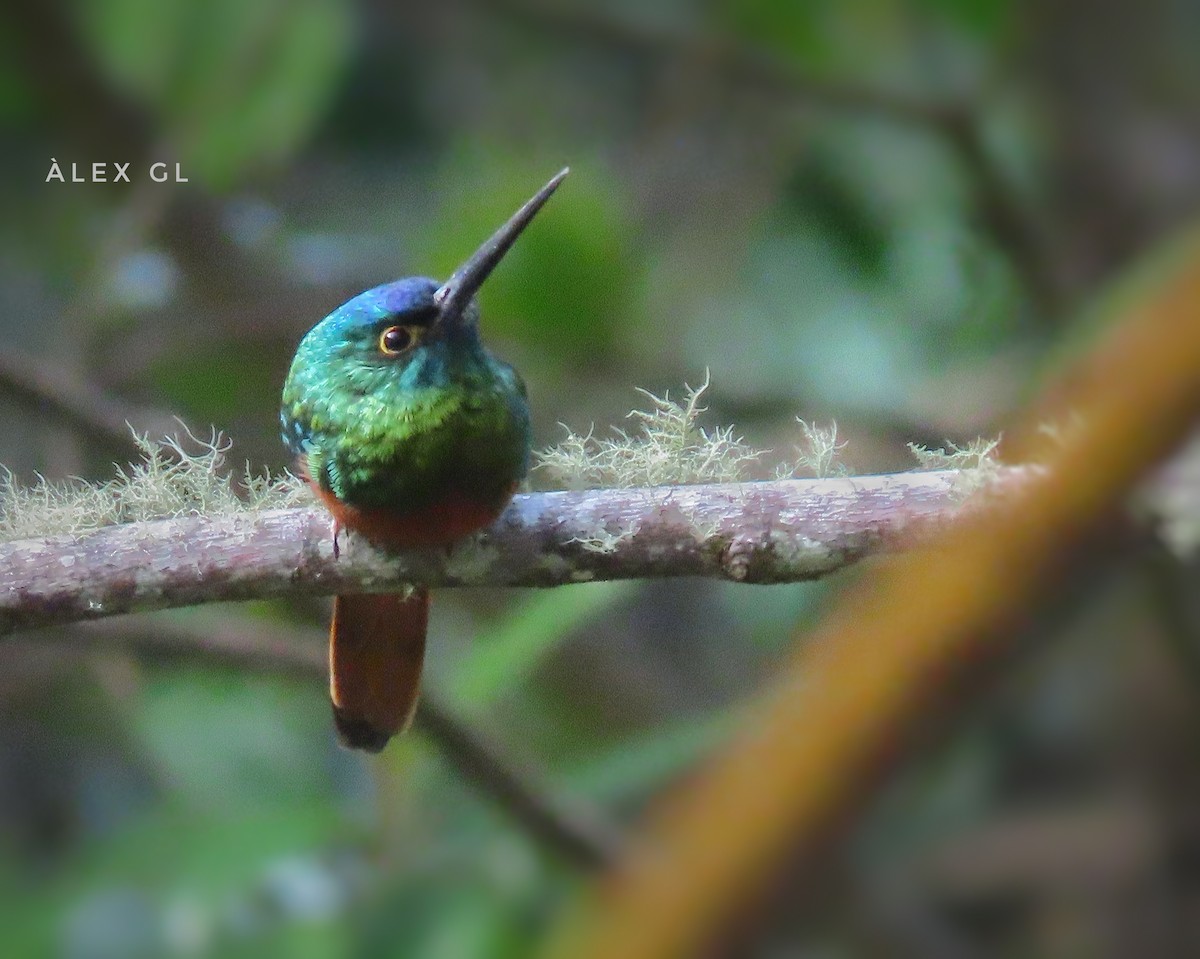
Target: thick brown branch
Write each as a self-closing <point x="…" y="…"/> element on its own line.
<point x="748" y="532"/>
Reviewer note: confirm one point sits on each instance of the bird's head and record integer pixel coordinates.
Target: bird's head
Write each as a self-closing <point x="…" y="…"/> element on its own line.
<point x="408" y="334"/>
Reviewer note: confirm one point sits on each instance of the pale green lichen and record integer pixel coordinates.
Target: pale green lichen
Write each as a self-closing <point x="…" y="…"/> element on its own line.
<point x="704" y="530"/>
<point x="471" y="558"/>
<point x="1062" y="432"/>
<point x="668" y="448"/>
<point x="817" y="455"/>
<point x="976" y="463"/>
<point x="169" y="481"/>
<point x="978" y="454"/>
<point x="602" y="541"/>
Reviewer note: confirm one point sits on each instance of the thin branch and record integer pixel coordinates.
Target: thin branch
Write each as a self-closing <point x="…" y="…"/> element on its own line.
<point x="775" y="532"/>
<point x="91" y="410"/>
<point x="580" y="833"/>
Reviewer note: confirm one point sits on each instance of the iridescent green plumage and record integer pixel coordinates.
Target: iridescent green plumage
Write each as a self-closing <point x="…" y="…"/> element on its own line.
<point x="413" y="435"/>
<point x="399" y="432"/>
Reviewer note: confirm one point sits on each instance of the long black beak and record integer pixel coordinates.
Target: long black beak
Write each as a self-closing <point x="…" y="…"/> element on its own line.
<point x="454" y="295"/>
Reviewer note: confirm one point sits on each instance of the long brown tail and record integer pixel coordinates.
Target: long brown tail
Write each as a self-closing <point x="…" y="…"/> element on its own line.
<point x="376" y="651"/>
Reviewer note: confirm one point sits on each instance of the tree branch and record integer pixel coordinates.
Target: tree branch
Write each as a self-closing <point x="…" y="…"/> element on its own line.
<point x="774" y="532"/>
<point x="92" y="411"/>
<point x="1003" y="215"/>
<point x="581" y="833"/>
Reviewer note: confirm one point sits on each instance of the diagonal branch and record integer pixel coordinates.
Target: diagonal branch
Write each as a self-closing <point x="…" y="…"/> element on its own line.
<point x="92" y="411"/>
<point x="773" y="532"/>
<point x="897" y="661"/>
<point x="581" y="833"/>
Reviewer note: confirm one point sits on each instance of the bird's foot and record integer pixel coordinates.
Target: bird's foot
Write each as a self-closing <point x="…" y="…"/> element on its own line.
<point x="337" y="529"/>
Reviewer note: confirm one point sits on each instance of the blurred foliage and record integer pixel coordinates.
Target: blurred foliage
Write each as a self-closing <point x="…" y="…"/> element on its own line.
<point x="822" y="250"/>
<point x="583" y="243"/>
<point x="239" y="85"/>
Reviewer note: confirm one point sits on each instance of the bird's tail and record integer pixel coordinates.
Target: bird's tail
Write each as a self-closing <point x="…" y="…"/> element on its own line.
<point x="376" y="651"/>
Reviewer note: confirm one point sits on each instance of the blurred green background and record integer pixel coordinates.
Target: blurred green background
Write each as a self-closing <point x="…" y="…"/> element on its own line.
<point x="884" y="212"/>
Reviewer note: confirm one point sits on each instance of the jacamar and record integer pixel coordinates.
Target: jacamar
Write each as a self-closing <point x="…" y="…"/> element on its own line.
<point x="413" y="435"/>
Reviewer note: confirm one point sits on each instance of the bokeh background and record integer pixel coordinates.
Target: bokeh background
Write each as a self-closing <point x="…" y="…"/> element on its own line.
<point x="899" y="214"/>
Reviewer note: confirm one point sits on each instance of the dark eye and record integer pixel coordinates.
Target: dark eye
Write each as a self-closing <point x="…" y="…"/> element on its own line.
<point x="395" y="339"/>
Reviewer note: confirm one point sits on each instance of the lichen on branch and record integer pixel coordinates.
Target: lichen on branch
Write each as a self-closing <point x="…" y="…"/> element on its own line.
<point x="759" y="532"/>
<point x="177" y="529"/>
<point x="668" y="447"/>
<point x="174" y="478"/>
<point x="189" y="476"/>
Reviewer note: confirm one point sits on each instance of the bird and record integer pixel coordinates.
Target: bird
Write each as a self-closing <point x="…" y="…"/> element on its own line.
<point x="412" y="435"/>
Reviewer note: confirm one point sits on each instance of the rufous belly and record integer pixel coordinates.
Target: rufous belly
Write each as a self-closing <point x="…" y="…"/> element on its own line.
<point x="437" y="524"/>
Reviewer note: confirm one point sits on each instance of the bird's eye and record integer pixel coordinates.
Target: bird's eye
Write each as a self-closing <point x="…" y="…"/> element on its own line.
<point x="395" y="339"/>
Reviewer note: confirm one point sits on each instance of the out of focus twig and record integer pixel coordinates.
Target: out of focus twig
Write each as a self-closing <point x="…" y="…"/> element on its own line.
<point x="94" y="412"/>
<point x="891" y="663"/>
<point x="1002" y="214"/>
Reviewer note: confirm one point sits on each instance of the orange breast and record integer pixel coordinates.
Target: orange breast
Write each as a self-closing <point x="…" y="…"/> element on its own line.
<point x="438" y="524"/>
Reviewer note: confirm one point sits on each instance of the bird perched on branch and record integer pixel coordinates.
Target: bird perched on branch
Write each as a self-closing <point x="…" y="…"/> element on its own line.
<point x="413" y="435"/>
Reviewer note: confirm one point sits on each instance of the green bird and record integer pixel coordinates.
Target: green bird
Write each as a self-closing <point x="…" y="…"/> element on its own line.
<point x="413" y="435"/>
